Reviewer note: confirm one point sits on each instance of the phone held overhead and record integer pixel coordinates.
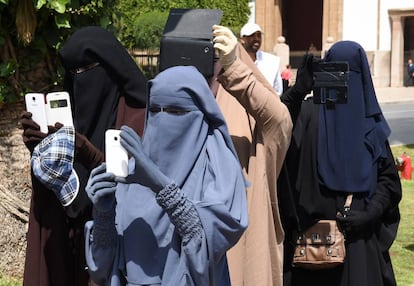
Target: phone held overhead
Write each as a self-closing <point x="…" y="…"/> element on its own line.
<point x="188" y="39"/>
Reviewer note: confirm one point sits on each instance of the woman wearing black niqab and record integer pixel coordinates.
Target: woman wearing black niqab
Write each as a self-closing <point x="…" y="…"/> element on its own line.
<point x="338" y="149"/>
<point x="107" y="90"/>
<point x="105" y="85"/>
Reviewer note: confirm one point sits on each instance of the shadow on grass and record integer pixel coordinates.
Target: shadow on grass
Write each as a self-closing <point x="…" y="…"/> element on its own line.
<point x="409" y="247"/>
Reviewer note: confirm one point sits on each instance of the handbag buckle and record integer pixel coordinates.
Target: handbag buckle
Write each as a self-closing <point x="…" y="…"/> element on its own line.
<point x="315" y="237"/>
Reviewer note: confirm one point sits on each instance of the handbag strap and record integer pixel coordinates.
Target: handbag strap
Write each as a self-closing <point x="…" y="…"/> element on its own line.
<point x="348" y="202"/>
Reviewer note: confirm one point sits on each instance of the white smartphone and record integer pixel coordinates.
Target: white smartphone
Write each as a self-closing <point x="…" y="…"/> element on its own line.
<point x="116" y="155"/>
<point x="58" y="108"/>
<point x="35" y="103"/>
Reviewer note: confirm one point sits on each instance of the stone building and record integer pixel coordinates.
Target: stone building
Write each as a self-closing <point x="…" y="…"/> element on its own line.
<point x="385" y="29"/>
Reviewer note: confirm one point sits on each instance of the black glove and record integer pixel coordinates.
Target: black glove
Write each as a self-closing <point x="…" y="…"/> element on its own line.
<point x="304" y="77"/>
<point x="53" y="129"/>
<point x="354" y="221"/>
<point x="294" y="96"/>
<point x="31" y="131"/>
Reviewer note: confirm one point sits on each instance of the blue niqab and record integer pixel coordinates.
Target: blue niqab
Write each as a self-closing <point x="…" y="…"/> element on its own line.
<point x="352" y="136"/>
<point x="183" y="134"/>
<point x="186" y="137"/>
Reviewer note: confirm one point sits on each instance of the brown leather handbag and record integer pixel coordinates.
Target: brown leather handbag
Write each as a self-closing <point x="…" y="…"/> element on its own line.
<point x="322" y="246"/>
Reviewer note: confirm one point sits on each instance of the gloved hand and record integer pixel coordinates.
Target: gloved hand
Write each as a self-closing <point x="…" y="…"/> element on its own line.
<point x="146" y="172"/>
<point x="225" y="42"/>
<point x="53" y="129"/>
<point x="101" y="189"/>
<point x="354" y="221"/>
<point x="31" y="131"/>
<point x="304" y="76"/>
<point x="294" y="96"/>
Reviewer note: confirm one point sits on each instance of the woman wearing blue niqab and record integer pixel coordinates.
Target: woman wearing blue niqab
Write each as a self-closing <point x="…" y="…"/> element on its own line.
<point x="336" y="150"/>
<point x="184" y="204"/>
<point x="353" y="134"/>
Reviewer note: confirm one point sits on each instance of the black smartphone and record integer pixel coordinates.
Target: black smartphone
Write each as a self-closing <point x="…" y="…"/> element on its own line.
<point x="330" y="82"/>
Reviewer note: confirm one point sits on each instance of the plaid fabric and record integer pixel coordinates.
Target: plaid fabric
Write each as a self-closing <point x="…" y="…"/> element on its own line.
<point x="52" y="164"/>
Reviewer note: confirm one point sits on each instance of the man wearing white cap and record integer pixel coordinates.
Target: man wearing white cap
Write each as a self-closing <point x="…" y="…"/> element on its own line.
<point x="268" y="64"/>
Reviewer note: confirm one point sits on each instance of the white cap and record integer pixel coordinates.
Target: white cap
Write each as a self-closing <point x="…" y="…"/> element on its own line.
<point x="249" y="29"/>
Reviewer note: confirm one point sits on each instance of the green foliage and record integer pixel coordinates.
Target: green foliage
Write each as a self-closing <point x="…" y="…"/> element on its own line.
<point x="149" y="28"/>
<point x="30" y="36"/>
<point x="32" y="65"/>
<point x="7" y="69"/>
<point x="57" y="5"/>
<point x="235" y="14"/>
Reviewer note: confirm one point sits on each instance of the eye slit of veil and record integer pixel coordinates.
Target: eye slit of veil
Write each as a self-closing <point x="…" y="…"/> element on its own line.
<point x="84" y="68"/>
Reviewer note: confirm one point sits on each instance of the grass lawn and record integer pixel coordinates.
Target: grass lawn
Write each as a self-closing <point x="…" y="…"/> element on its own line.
<point x="8" y="281"/>
<point x="402" y="251"/>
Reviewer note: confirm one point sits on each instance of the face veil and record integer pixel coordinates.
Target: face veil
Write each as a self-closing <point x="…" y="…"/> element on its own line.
<point x="351" y="136"/>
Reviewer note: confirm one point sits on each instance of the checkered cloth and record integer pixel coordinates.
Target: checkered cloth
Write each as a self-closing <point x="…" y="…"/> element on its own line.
<point x="52" y="164"/>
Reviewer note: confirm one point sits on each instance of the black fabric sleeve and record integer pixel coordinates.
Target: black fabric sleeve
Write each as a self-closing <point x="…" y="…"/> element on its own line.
<point x="293" y="101"/>
<point x="389" y="191"/>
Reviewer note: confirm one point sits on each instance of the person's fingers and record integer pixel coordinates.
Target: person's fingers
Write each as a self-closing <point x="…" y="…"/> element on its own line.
<point x="100" y="169"/>
<point x="130" y="140"/>
<point x="220" y="39"/>
<point x="102" y="177"/>
<point x="123" y="180"/>
<point x="34" y="133"/>
<point x="95" y="175"/>
<point x="220" y="46"/>
<point x="217" y="29"/>
<point x="103" y="192"/>
<point x="29" y="123"/>
<point x="127" y="142"/>
<point x="100" y="187"/>
<point x="54" y="128"/>
<point x="131" y="132"/>
<point x="26" y="115"/>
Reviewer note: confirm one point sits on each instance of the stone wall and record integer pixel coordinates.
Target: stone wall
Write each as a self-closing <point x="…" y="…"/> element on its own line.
<point x="15" y="191"/>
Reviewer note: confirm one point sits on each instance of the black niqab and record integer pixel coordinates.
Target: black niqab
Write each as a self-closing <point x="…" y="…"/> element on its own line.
<point x="99" y="74"/>
<point x="95" y="90"/>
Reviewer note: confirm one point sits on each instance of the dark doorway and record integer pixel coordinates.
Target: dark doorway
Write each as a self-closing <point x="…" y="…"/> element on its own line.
<point x="302" y="27"/>
<point x="302" y="23"/>
<point x="408" y="46"/>
<point x="409" y="35"/>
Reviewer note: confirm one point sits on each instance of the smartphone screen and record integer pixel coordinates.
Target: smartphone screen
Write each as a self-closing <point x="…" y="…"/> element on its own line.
<point x="58" y="103"/>
<point x="58" y="108"/>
